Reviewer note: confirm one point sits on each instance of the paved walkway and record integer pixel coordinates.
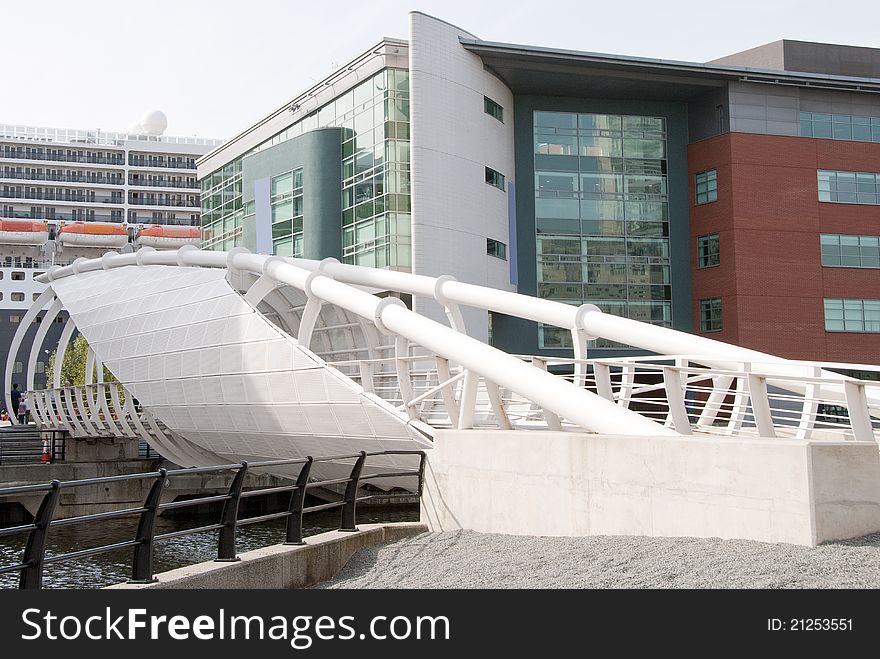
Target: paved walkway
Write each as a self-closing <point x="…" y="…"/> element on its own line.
<point x="465" y="559"/>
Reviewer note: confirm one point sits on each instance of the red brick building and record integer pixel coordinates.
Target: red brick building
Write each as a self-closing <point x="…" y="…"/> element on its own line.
<point x="785" y="205"/>
<point x="769" y="219"/>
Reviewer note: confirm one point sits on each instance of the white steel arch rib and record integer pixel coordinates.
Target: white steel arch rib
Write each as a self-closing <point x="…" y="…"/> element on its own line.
<point x="230" y="352"/>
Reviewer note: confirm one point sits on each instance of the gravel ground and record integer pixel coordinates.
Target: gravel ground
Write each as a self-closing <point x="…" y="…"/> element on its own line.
<point x="466" y="559"/>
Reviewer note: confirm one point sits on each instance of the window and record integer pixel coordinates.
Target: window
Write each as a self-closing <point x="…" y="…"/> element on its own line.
<point x="601" y="216"/>
<point x="17" y="276"/>
<point x="550" y="337"/>
<point x="710" y="315"/>
<point x="287" y="211"/>
<point x="16" y="368"/>
<point x="34" y="296"/>
<point x="494" y="178"/>
<point x="40" y="367"/>
<point x="707" y="186"/>
<point x="492" y="108"/>
<point x="849" y="187"/>
<point x="840" y="127"/>
<point x="17" y="297"/>
<point x="496" y="248"/>
<point x="14" y="318"/>
<point x="852" y="315"/>
<point x="708" y="251"/>
<point x="850" y="251"/>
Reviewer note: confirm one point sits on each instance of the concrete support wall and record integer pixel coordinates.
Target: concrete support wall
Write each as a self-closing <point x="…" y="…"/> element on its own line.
<point x="284" y="566"/>
<point x="572" y="484"/>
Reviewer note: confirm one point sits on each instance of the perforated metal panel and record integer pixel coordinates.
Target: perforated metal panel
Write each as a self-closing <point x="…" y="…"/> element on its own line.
<point x="223" y="376"/>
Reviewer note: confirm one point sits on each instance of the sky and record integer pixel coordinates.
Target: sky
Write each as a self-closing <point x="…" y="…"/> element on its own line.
<point x="216" y="67"/>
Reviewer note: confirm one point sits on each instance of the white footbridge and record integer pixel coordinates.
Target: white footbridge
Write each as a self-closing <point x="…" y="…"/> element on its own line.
<point x="222" y="356"/>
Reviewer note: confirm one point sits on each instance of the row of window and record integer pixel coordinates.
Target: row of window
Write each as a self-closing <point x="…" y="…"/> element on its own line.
<point x="39" y="367"/>
<point x="849" y="187"/>
<point x="841" y="315"/>
<point x="569" y="123"/>
<point x="850" y="251"/>
<point x="840" y="126"/>
<point x="18" y="275"/>
<point x="834" y="186"/>
<point x="16" y="318"/>
<point x="852" y="315"/>
<point x="17" y="296"/>
<point x="594" y="185"/>
<point x="837" y="251"/>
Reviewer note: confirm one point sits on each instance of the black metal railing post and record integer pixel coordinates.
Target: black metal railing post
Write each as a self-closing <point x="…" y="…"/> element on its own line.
<point x="297" y="503"/>
<point x="142" y="560"/>
<point x="422" y="458"/>
<point x="229" y="519"/>
<point x="35" y="550"/>
<point x="34" y="560"/>
<point x="349" y="506"/>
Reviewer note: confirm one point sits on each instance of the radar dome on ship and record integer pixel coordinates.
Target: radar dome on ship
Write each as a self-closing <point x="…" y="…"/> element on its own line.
<point x="154" y="122"/>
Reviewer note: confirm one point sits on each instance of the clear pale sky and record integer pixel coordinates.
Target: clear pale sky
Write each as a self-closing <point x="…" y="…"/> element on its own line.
<point x="215" y="67"/>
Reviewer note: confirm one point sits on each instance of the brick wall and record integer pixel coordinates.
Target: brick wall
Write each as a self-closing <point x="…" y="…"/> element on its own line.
<point x="769" y="218"/>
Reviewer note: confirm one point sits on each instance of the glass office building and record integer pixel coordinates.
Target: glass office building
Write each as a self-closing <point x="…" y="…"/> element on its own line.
<point x="602" y="216"/>
<point x="374" y="116"/>
<point x="643" y="186"/>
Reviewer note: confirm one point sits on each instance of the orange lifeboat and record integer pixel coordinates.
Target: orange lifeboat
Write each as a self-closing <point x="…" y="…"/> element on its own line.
<point x="23" y="232"/>
<point x="162" y="237"/>
<point x="93" y="234"/>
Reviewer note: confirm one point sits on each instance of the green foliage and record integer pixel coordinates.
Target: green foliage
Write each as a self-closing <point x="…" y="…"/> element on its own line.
<point x="73" y="368"/>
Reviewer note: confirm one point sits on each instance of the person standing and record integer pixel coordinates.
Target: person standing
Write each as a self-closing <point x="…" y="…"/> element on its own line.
<point x="15" y="395"/>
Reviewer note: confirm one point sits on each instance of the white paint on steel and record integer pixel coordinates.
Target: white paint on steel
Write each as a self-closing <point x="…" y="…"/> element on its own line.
<point x="173" y="344"/>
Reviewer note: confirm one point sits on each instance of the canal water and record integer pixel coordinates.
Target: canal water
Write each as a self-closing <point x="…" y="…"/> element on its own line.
<point x="115" y="567"/>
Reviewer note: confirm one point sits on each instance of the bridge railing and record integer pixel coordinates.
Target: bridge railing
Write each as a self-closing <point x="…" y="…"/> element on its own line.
<point x="680" y="392"/>
<point x="98" y="410"/>
<point x="35" y="559"/>
<point x="330" y="284"/>
<point x="743" y="399"/>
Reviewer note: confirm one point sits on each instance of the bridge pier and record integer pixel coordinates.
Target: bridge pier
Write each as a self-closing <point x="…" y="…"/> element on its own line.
<point x="578" y="484"/>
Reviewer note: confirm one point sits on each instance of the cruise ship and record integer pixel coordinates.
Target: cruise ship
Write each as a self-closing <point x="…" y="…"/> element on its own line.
<point x="69" y="193"/>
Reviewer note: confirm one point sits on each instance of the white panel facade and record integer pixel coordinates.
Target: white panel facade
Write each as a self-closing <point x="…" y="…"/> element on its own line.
<point x="212" y="369"/>
<point x="453" y="140"/>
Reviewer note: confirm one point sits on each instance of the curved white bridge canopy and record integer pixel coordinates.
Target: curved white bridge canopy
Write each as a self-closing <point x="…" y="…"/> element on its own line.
<point x="240" y="356"/>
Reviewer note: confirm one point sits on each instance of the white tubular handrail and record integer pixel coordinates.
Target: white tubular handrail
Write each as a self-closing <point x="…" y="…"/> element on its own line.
<point x="391" y="317"/>
<point x="587" y="318"/>
<point x="342" y="285"/>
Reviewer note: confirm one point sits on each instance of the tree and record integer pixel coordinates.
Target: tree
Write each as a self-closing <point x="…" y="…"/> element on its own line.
<point x="73" y="368"/>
